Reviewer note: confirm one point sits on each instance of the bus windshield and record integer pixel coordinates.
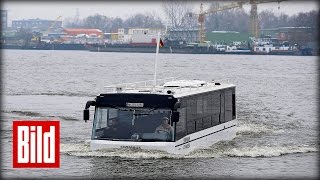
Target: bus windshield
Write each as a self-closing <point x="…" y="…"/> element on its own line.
<point x="132" y="124"/>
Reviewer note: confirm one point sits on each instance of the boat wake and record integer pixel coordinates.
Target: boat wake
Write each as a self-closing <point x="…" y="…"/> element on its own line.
<point x="83" y="150"/>
<point x="221" y="149"/>
<point x="233" y="148"/>
<point x="251" y="129"/>
<point x="40" y="115"/>
<point x="67" y="94"/>
<point x="25" y="113"/>
<point x="228" y="149"/>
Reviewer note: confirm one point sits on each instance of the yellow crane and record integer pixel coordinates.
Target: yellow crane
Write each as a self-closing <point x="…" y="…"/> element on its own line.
<point x="253" y="23"/>
<point x="202" y="14"/>
<point x="53" y="23"/>
<point x="253" y="15"/>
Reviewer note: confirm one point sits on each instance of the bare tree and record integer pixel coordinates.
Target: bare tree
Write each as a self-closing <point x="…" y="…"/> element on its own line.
<point x="283" y="20"/>
<point x="72" y="23"/>
<point x="148" y="20"/>
<point x="154" y="21"/>
<point x="267" y="19"/>
<point x="96" y="21"/>
<point x="307" y="19"/>
<point x="114" y="24"/>
<point x="177" y="12"/>
<point x="227" y="20"/>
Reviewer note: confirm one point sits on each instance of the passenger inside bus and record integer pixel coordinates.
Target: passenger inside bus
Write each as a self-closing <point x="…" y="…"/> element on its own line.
<point x="165" y="127"/>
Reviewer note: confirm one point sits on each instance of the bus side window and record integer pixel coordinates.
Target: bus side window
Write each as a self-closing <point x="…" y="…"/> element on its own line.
<point x="182" y="124"/>
<point x="222" y="106"/>
<point x="233" y="106"/>
<point x="228" y="105"/>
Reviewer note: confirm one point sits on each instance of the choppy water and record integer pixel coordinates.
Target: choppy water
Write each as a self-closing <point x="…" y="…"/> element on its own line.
<point x="277" y="100"/>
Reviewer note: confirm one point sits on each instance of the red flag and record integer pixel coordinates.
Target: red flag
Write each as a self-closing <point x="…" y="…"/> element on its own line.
<point x="161" y="44"/>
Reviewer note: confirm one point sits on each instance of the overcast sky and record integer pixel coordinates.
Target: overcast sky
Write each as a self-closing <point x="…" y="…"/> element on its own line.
<point x="51" y="10"/>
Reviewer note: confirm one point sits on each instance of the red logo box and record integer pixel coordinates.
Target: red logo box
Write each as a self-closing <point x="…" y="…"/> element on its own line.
<point x="36" y="144"/>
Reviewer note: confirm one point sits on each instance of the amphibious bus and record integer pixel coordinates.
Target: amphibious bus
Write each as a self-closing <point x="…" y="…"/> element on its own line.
<point x="200" y="114"/>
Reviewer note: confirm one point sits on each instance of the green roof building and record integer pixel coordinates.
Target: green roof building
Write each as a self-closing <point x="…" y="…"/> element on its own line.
<point x="227" y="37"/>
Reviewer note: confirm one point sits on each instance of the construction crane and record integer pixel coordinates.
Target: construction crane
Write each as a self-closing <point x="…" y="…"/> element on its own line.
<point x="53" y="23"/>
<point x="253" y="15"/>
<point x="253" y="23"/>
<point x="203" y="13"/>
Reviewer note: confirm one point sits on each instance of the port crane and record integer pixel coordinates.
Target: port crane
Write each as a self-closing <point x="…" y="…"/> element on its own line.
<point x="253" y="15"/>
<point x="253" y="24"/>
<point x="53" y="23"/>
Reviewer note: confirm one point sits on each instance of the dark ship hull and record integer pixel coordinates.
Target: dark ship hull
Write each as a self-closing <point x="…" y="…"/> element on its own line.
<point x="143" y="48"/>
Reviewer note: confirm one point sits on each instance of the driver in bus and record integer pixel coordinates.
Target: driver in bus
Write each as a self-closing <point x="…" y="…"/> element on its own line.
<point x="165" y="127"/>
<point x="117" y="130"/>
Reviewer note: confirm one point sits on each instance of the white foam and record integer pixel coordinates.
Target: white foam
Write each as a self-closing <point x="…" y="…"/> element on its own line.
<point x="269" y="151"/>
<point x="65" y="148"/>
<point x="244" y="129"/>
<point x="84" y="150"/>
<point x="221" y="149"/>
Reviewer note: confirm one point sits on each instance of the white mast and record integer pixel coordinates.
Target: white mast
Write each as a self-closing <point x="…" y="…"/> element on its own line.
<point x="156" y="62"/>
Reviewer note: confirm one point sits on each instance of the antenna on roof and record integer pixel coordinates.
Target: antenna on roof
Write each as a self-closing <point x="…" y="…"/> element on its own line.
<point x="77" y="15"/>
<point x="156" y="61"/>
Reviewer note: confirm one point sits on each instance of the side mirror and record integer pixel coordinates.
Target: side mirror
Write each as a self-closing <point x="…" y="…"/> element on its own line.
<point x="86" y="115"/>
<point x="176" y="105"/>
<point x="175" y="116"/>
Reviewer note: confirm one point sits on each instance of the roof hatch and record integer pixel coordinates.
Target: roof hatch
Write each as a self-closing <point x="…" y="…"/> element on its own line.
<point x="185" y="83"/>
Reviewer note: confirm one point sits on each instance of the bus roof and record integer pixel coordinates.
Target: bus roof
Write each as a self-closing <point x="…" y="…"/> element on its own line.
<point x="177" y="88"/>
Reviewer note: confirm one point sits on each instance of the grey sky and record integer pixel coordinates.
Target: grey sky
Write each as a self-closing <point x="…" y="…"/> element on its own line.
<point x="124" y="9"/>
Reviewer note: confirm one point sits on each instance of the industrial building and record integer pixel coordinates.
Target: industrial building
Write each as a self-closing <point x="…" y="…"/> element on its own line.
<point x="4" y="19"/>
<point x="304" y="36"/>
<point x="137" y="35"/>
<point x="36" y="24"/>
<point x="227" y="37"/>
<point x="188" y="35"/>
<point x="77" y="32"/>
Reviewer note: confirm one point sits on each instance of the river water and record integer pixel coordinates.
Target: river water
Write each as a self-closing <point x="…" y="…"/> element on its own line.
<point x="277" y="110"/>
